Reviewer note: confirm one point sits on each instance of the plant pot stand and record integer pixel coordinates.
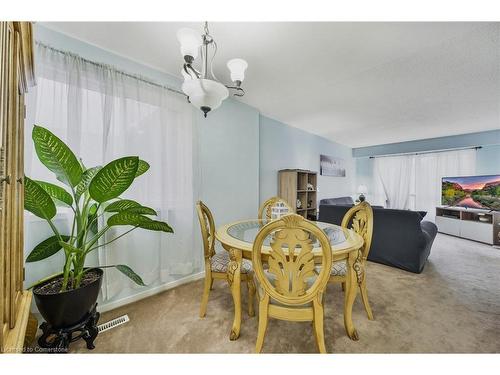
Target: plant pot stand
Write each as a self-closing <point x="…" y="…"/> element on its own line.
<point x="58" y="339"/>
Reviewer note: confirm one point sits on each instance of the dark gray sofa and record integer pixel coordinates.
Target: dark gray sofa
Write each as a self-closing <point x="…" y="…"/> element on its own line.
<point x="337" y="201"/>
<point x="400" y="238"/>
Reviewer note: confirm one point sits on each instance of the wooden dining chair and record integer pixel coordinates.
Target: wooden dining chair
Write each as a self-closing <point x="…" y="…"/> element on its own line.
<point x="265" y="209"/>
<point x="288" y="286"/>
<point x="360" y="219"/>
<point x="216" y="264"/>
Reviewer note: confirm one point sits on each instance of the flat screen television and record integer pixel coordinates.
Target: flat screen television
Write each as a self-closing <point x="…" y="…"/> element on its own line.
<point x="481" y="192"/>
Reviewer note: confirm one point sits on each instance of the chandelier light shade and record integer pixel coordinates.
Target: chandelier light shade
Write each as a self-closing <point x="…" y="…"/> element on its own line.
<point x="202" y="88"/>
<point x="190" y="41"/>
<point x="237" y="68"/>
<point x="205" y="94"/>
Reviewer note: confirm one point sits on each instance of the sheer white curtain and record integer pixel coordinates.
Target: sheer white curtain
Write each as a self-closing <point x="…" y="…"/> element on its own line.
<point x="103" y="114"/>
<point x="392" y="181"/>
<point x="430" y="168"/>
<point x="414" y="181"/>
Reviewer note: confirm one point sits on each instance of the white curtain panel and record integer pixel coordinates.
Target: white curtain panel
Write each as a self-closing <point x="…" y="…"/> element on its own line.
<point x="392" y="181"/>
<point x="103" y="114"/>
<point x="431" y="168"/>
<point x="414" y="181"/>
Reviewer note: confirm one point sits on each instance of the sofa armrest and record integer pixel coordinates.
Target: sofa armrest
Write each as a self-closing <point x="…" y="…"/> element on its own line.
<point x="429" y="229"/>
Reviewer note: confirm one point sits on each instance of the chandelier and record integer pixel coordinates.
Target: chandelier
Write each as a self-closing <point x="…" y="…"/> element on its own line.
<point x="202" y="88"/>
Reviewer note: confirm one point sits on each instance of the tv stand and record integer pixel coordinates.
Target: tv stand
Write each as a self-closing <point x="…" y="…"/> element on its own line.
<point x="469" y="223"/>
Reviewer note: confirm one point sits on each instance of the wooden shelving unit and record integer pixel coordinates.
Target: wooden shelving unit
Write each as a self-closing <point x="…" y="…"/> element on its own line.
<point x="293" y="187"/>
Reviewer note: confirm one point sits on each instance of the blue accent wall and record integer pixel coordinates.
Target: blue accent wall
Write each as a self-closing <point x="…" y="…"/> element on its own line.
<point x="286" y="147"/>
<point x="487" y="157"/>
<point x="442" y="143"/>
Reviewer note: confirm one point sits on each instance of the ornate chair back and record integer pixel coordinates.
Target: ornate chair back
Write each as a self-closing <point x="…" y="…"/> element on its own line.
<point x="360" y="219"/>
<point x="290" y="260"/>
<point x="207" y="226"/>
<point x="265" y="209"/>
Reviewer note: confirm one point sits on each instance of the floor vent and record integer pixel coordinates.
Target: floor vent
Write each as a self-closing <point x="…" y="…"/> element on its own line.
<point x="113" y="323"/>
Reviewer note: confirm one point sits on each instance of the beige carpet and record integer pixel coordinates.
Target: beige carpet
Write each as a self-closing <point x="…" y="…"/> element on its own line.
<point x="453" y="306"/>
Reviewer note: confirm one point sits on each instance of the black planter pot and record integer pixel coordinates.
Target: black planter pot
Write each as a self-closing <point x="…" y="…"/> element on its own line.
<point x="68" y="308"/>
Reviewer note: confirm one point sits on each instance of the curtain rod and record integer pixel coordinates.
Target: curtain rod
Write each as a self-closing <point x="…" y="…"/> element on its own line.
<point x="107" y="66"/>
<point x="427" y="152"/>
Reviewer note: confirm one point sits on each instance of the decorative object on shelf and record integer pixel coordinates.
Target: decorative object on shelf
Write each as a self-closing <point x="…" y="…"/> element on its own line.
<point x="483" y="218"/>
<point x="309" y="203"/>
<point x="331" y="166"/>
<point x="66" y="300"/>
<point x="362" y="190"/>
<point x="279" y="210"/>
<point x="293" y="186"/>
<point x="310" y="186"/>
<point x="203" y="92"/>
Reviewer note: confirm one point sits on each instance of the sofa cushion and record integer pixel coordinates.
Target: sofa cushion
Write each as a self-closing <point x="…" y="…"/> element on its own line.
<point x="339" y="200"/>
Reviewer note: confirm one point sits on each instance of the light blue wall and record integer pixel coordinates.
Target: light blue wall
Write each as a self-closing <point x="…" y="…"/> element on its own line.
<point x="227" y="146"/>
<point x="488" y="160"/>
<point x="283" y="147"/>
<point x="229" y="157"/>
<point x="487" y="157"/>
<point x="441" y="143"/>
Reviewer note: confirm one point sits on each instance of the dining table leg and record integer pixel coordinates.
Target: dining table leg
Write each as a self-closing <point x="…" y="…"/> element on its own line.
<point x="350" y="295"/>
<point x="234" y="280"/>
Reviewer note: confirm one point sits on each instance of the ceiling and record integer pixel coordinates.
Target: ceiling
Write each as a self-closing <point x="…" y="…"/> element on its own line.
<point x="358" y="84"/>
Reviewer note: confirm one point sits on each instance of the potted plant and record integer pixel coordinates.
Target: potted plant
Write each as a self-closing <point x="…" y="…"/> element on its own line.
<point x="67" y="300"/>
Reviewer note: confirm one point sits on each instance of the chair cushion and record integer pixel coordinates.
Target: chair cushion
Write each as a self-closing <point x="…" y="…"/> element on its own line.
<point x="220" y="261"/>
<point x="338" y="268"/>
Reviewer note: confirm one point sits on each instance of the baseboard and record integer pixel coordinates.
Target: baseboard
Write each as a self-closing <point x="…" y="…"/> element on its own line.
<point x="150" y="292"/>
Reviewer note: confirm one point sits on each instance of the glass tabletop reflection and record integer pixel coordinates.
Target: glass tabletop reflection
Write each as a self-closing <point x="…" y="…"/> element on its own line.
<point x="247" y="231"/>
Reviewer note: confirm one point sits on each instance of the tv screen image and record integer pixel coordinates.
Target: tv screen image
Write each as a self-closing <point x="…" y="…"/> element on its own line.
<point x="481" y="192"/>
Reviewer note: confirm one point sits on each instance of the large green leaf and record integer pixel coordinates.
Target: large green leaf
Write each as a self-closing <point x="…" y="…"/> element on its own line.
<point x="137" y="220"/>
<point x="127" y="218"/>
<point x="87" y="176"/>
<point x="92" y="219"/>
<point x="156" y="225"/>
<point x="56" y="192"/>
<point x="143" y="210"/>
<point x="56" y="156"/>
<point x="37" y="200"/>
<point x="113" y="179"/>
<point x="126" y="270"/>
<point x="142" y="168"/>
<point x="45" y="249"/>
<point x="121" y="205"/>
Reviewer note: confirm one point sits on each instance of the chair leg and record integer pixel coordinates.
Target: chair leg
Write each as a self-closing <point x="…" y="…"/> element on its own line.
<point x="364" y="297"/>
<point x="206" y="292"/>
<point x="263" y="306"/>
<point x="211" y="284"/>
<point x="318" y="326"/>
<point x="251" y="295"/>
<point x="343" y="286"/>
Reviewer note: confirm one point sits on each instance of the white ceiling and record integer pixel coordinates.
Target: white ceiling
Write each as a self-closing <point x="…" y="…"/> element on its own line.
<point x="359" y="84"/>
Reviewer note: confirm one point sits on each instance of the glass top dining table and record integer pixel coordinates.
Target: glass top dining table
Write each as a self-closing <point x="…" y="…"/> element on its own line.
<point x="241" y="235"/>
<point x="238" y="237"/>
<point x="246" y="231"/>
